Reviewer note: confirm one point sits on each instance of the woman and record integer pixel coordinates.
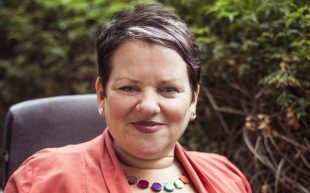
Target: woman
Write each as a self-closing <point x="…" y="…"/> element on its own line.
<point x="147" y="92"/>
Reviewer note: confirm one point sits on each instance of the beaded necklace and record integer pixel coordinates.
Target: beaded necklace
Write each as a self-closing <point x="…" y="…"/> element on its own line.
<point x="157" y="187"/>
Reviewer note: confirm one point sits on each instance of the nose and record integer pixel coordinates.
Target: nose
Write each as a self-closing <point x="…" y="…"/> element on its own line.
<point x="148" y="104"/>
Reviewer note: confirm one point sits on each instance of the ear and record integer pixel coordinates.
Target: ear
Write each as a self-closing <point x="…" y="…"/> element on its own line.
<point x="99" y="92"/>
<point x="195" y="99"/>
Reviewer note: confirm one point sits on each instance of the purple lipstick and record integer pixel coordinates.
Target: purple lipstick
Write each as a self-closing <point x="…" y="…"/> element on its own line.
<point x="147" y="126"/>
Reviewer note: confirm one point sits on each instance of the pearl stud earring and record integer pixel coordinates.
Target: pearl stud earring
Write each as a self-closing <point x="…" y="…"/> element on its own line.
<point x="100" y="109"/>
<point x="193" y="116"/>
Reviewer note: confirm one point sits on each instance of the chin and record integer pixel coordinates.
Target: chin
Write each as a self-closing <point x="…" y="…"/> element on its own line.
<point x="152" y="151"/>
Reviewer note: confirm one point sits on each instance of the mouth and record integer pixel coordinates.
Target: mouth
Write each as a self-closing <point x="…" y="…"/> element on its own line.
<point x="147" y="126"/>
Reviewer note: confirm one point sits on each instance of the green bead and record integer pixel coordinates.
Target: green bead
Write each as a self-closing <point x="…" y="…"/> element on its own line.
<point x="178" y="184"/>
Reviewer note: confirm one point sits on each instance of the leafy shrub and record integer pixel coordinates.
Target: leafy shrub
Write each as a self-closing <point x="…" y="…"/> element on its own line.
<point x="48" y="47"/>
<point x="255" y="98"/>
<point x="256" y="87"/>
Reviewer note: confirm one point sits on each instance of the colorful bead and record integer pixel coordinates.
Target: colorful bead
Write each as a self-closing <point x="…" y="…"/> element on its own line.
<point x="132" y="180"/>
<point x="156" y="187"/>
<point x="184" y="179"/>
<point x="168" y="187"/>
<point x="143" y="184"/>
<point x="178" y="184"/>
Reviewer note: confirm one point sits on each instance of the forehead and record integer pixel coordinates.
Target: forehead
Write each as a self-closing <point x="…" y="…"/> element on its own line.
<point x="142" y="56"/>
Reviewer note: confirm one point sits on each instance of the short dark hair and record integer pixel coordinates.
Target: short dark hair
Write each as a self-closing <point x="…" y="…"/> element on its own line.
<point x="153" y="23"/>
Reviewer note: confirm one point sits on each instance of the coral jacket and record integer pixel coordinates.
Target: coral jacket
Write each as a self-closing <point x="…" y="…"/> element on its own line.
<point x="93" y="167"/>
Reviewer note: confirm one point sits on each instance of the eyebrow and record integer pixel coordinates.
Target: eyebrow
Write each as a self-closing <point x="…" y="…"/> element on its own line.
<point x="136" y="80"/>
<point x="169" y="80"/>
<point x="128" y="79"/>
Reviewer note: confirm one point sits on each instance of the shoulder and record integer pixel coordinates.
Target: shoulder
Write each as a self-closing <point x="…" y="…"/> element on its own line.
<point x="63" y="159"/>
<point x="52" y="170"/>
<point x="215" y="163"/>
<point x="53" y="159"/>
<point x="220" y="169"/>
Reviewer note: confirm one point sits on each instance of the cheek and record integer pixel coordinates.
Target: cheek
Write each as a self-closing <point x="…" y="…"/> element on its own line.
<point x="178" y="112"/>
<point x="115" y="108"/>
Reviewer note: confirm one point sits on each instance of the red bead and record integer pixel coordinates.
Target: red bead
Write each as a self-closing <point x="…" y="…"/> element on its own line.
<point x="143" y="184"/>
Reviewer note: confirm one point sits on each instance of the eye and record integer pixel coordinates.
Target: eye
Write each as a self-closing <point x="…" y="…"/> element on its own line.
<point x="169" y="90"/>
<point x="129" y="89"/>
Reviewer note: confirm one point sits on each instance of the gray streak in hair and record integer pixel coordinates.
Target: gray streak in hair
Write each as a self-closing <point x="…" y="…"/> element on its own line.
<point x="153" y="23"/>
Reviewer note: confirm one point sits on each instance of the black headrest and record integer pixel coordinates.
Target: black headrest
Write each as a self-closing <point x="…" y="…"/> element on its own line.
<point x="49" y="122"/>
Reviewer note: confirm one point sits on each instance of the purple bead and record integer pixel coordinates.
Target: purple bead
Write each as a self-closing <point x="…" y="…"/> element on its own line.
<point x="132" y="180"/>
<point x="156" y="187"/>
<point x="143" y="184"/>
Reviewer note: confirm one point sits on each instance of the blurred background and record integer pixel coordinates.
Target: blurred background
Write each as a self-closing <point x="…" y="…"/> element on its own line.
<point x="255" y="100"/>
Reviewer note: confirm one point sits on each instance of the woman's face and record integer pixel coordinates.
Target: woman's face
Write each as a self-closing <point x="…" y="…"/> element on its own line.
<point x="148" y="101"/>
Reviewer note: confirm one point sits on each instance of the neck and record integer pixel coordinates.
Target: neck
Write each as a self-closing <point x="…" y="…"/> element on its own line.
<point x="140" y="163"/>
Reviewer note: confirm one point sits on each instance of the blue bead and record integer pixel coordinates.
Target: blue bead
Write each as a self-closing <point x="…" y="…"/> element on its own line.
<point x="168" y="187"/>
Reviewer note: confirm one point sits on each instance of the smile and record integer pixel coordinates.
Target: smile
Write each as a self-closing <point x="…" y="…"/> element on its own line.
<point x="147" y="126"/>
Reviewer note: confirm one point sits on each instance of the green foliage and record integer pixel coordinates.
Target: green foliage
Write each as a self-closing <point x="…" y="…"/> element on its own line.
<point x="48" y="47"/>
<point x="255" y="71"/>
<point x="255" y="76"/>
<point x="48" y="41"/>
